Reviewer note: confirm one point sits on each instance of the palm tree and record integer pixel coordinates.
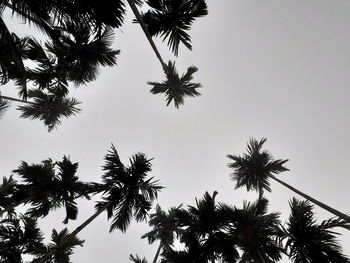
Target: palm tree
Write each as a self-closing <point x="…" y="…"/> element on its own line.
<point x="306" y="241"/>
<point x="20" y="236"/>
<point x="126" y="193"/>
<point x="254" y="231"/>
<point x="171" y="19"/>
<point x="164" y="229"/>
<point x="174" y="87"/>
<point x="203" y="231"/>
<point x="46" y="190"/>
<point x="63" y="248"/>
<point x="254" y="169"/>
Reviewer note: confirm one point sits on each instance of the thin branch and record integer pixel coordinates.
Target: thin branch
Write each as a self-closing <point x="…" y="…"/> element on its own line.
<point x="145" y="30"/>
<point x="17" y="100"/>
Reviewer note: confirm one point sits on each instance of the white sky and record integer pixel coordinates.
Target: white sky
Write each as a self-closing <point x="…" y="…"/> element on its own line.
<point x="275" y="69"/>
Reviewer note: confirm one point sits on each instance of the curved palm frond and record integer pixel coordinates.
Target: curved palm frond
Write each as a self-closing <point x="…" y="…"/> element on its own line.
<point x="4" y="105"/>
<point x="49" y="108"/>
<point x="172" y="19"/>
<point x="11" y="59"/>
<point x="307" y="241"/>
<point x="254" y="168"/>
<point x="176" y="88"/>
<point x="137" y="259"/>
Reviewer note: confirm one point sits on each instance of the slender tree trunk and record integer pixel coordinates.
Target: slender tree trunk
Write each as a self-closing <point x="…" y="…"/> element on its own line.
<point x="145" y="30"/>
<point x="316" y="202"/>
<point x="14" y="99"/>
<point x="49" y="254"/>
<point x="261" y="257"/>
<point x="158" y="251"/>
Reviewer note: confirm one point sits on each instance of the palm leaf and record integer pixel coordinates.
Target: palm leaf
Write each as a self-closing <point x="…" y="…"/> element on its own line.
<point x="171" y="19"/>
<point x="4" y="105"/>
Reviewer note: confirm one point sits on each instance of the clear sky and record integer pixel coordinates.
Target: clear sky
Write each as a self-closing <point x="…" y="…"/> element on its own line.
<point x="275" y="69"/>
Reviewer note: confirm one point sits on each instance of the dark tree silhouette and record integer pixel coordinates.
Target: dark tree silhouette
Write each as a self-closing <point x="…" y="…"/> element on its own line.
<point x="164" y="229"/>
<point x="45" y="189"/>
<point x="127" y="193"/>
<point x="254" y="231"/>
<point x="306" y="241"/>
<point x="254" y="169"/>
<point x="80" y="35"/>
<point x="18" y="237"/>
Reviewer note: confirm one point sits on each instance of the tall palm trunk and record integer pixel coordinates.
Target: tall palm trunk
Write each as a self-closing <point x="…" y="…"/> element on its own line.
<point x="158" y="252"/>
<point x="145" y="30"/>
<point x="49" y="254"/>
<point x="316" y="202"/>
<point x="14" y="99"/>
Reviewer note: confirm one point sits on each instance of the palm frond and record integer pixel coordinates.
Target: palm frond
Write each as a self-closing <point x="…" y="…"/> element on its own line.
<point x="4" y="105"/>
<point x="176" y="88"/>
<point x="49" y="108"/>
<point x="137" y="259"/>
<point x="172" y="19"/>
<point x="11" y="59"/>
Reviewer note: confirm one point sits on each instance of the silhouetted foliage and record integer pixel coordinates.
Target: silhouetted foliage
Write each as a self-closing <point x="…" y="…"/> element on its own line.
<point x="171" y="19"/>
<point x="253" y="169"/>
<point x="306" y="241"/>
<point x="127" y="190"/>
<point x="176" y="88"/>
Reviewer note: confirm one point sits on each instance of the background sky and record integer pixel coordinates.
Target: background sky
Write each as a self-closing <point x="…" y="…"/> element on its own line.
<point x="275" y="69"/>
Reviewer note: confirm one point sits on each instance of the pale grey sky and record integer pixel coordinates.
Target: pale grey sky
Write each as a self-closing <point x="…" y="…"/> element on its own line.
<point x="275" y="69"/>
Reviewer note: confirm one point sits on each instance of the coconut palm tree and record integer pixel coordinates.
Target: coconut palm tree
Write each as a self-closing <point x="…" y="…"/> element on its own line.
<point x="126" y="193"/>
<point x="254" y="169"/>
<point x="307" y="241"/>
<point x="46" y="190"/>
<point x="164" y="229"/>
<point x="254" y="231"/>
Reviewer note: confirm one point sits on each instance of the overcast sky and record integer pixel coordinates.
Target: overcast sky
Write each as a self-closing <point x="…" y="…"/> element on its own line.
<point x="275" y="69"/>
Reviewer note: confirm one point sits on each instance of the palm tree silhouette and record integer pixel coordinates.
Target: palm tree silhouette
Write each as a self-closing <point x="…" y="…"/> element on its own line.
<point x="203" y="231"/>
<point x="174" y="87"/>
<point x="46" y="190"/>
<point x="254" y="230"/>
<point x="306" y="241"/>
<point x="62" y="246"/>
<point x="126" y="193"/>
<point x="20" y="236"/>
<point x="164" y="229"/>
<point x="254" y="169"/>
<point x="171" y="20"/>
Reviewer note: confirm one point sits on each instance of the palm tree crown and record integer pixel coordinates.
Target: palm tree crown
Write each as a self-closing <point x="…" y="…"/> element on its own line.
<point x="127" y="191"/>
<point x="306" y="241"/>
<point x="254" y="168"/>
